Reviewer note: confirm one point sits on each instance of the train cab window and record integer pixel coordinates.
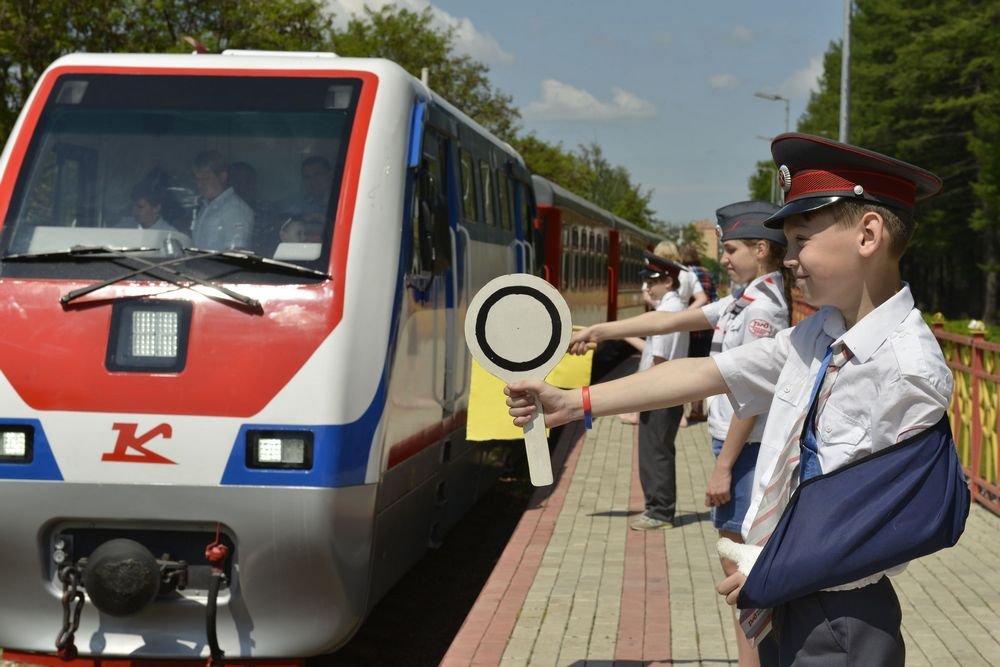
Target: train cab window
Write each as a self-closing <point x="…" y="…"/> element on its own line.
<point x="470" y="204"/>
<point x="486" y="181"/>
<point x="504" y="197"/>
<point x="109" y="148"/>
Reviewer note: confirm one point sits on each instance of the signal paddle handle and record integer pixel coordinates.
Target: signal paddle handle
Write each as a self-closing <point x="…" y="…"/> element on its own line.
<point x="537" y="445"/>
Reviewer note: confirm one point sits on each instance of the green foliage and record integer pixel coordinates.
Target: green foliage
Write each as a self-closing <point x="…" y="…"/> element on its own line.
<point x="924" y="89"/>
<point x="961" y="327"/>
<point x="763" y="184"/>
<point x="611" y="187"/>
<point x="551" y="161"/>
<point x="33" y="33"/>
<point x="681" y="234"/>
<point x="409" y="39"/>
<point x="588" y="173"/>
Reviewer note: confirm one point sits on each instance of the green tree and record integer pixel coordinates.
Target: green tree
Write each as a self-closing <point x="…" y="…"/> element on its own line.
<point x="409" y="39"/>
<point x="681" y="234"/>
<point x="763" y="184"/>
<point x="33" y="33"/>
<point x="924" y="88"/>
<point x="980" y="79"/>
<point x="611" y="187"/>
<point x="552" y="161"/>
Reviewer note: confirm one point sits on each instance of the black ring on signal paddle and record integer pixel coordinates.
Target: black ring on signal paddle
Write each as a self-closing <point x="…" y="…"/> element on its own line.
<point x="507" y="364"/>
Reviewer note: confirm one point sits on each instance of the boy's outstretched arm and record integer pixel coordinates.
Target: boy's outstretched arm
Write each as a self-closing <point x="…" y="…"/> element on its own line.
<point x="653" y="323"/>
<point x="667" y="384"/>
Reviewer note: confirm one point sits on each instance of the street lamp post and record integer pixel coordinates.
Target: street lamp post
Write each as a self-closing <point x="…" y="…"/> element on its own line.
<point x="775" y="98"/>
<point x="775" y="197"/>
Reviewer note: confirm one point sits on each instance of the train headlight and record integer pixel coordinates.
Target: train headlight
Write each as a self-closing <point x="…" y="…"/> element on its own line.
<point x="149" y="336"/>
<point x="16" y="444"/>
<point x="280" y="449"/>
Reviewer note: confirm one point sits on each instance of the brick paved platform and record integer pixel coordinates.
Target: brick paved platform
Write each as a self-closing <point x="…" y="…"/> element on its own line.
<point x="576" y="587"/>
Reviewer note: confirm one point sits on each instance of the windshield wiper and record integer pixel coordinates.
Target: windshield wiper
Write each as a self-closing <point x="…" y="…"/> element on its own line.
<point x="251" y="258"/>
<point x="89" y="251"/>
<point x="164" y="265"/>
<point x="104" y="252"/>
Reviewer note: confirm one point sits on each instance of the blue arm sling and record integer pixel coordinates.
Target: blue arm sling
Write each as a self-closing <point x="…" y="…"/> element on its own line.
<point x="903" y="502"/>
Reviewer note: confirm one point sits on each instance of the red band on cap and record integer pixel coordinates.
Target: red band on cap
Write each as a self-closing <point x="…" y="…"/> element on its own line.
<point x="818" y="182"/>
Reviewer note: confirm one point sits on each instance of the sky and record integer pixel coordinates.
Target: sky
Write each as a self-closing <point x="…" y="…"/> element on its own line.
<point x="665" y="87"/>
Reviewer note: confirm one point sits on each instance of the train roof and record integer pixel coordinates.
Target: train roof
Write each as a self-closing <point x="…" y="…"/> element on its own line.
<point x="548" y="193"/>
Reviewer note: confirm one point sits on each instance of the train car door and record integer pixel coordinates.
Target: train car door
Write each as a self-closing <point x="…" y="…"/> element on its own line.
<point x="439" y="218"/>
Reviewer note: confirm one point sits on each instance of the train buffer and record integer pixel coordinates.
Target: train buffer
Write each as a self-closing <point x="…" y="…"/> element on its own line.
<point x="576" y="587"/>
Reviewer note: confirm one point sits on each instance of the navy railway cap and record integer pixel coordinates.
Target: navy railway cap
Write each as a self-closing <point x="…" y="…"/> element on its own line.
<point x="745" y="220"/>
<point x="657" y="266"/>
<point x="815" y="172"/>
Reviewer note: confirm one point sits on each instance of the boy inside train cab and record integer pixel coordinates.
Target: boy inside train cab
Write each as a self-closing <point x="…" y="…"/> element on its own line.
<point x="861" y="375"/>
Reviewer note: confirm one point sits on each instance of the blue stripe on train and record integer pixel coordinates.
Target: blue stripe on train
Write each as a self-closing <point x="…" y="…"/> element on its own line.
<point x="43" y="465"/>
<point x="340" y="452"/>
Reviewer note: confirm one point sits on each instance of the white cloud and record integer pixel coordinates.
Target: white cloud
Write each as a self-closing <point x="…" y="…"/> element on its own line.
<point x="742" y="34"/>
<point x="804" y="80"/>
<point x="468" y="39"/>
<point x="561" y="101"/>
<point x="722" y="81"/>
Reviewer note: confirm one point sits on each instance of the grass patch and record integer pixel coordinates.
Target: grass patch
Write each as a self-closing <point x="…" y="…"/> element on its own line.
<point x="961" y="327"/>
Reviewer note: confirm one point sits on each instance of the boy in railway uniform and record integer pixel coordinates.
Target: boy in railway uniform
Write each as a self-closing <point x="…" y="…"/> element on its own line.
<point x="658" y="428"/>
<point x="859" y="376"/>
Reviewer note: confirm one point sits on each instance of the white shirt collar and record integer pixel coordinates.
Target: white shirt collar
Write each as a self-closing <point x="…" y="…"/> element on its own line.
<point x="868" y="334"/>
<point x="221" y="197"/>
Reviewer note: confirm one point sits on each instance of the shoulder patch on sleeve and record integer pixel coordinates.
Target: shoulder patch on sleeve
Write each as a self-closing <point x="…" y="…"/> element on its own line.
<point x="761" y="328"/>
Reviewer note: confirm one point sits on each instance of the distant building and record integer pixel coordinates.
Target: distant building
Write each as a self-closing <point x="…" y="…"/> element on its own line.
<point x="709" y="237"/>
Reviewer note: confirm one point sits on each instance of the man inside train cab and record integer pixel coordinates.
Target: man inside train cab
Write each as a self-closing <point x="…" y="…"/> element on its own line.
<point x="222" y="220"/>
<point x="317" y="181"/>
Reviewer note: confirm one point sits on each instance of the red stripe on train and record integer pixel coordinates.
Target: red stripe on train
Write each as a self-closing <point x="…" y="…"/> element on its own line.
<point x="421" y="440"/>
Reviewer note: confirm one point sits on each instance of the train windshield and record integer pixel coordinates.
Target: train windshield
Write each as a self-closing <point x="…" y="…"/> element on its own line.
<point x="168" y="165"/>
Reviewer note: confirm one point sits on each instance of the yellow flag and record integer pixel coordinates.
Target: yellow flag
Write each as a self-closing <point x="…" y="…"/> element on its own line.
<point x="488" y="418"/>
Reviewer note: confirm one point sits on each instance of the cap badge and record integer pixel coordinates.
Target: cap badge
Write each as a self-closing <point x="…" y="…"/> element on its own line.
<point x="858" y="190"/>
<point x="784" y="178"/>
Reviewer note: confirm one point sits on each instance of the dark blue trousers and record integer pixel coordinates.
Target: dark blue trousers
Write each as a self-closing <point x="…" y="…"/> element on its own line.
<point x="657" y="465"/>
<point x="849" y="628"/>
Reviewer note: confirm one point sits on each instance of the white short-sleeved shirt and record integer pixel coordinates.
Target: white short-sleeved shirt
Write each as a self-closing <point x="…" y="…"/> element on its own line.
<point x="666" y="346"/>
<point x="760" y="312"/>
<point x="688" y="286"/>
<point x="672" y="345"/>
<point x="896" y="384"/>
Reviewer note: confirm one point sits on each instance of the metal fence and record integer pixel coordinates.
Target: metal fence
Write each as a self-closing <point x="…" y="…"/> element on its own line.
<point x="975" y="405"/>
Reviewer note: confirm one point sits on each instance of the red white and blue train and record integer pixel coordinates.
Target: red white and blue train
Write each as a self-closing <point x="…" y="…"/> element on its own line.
<point x="238" y="449"/>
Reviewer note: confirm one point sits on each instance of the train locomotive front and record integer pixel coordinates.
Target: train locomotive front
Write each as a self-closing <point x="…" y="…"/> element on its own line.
<point x="214" y="381"/>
